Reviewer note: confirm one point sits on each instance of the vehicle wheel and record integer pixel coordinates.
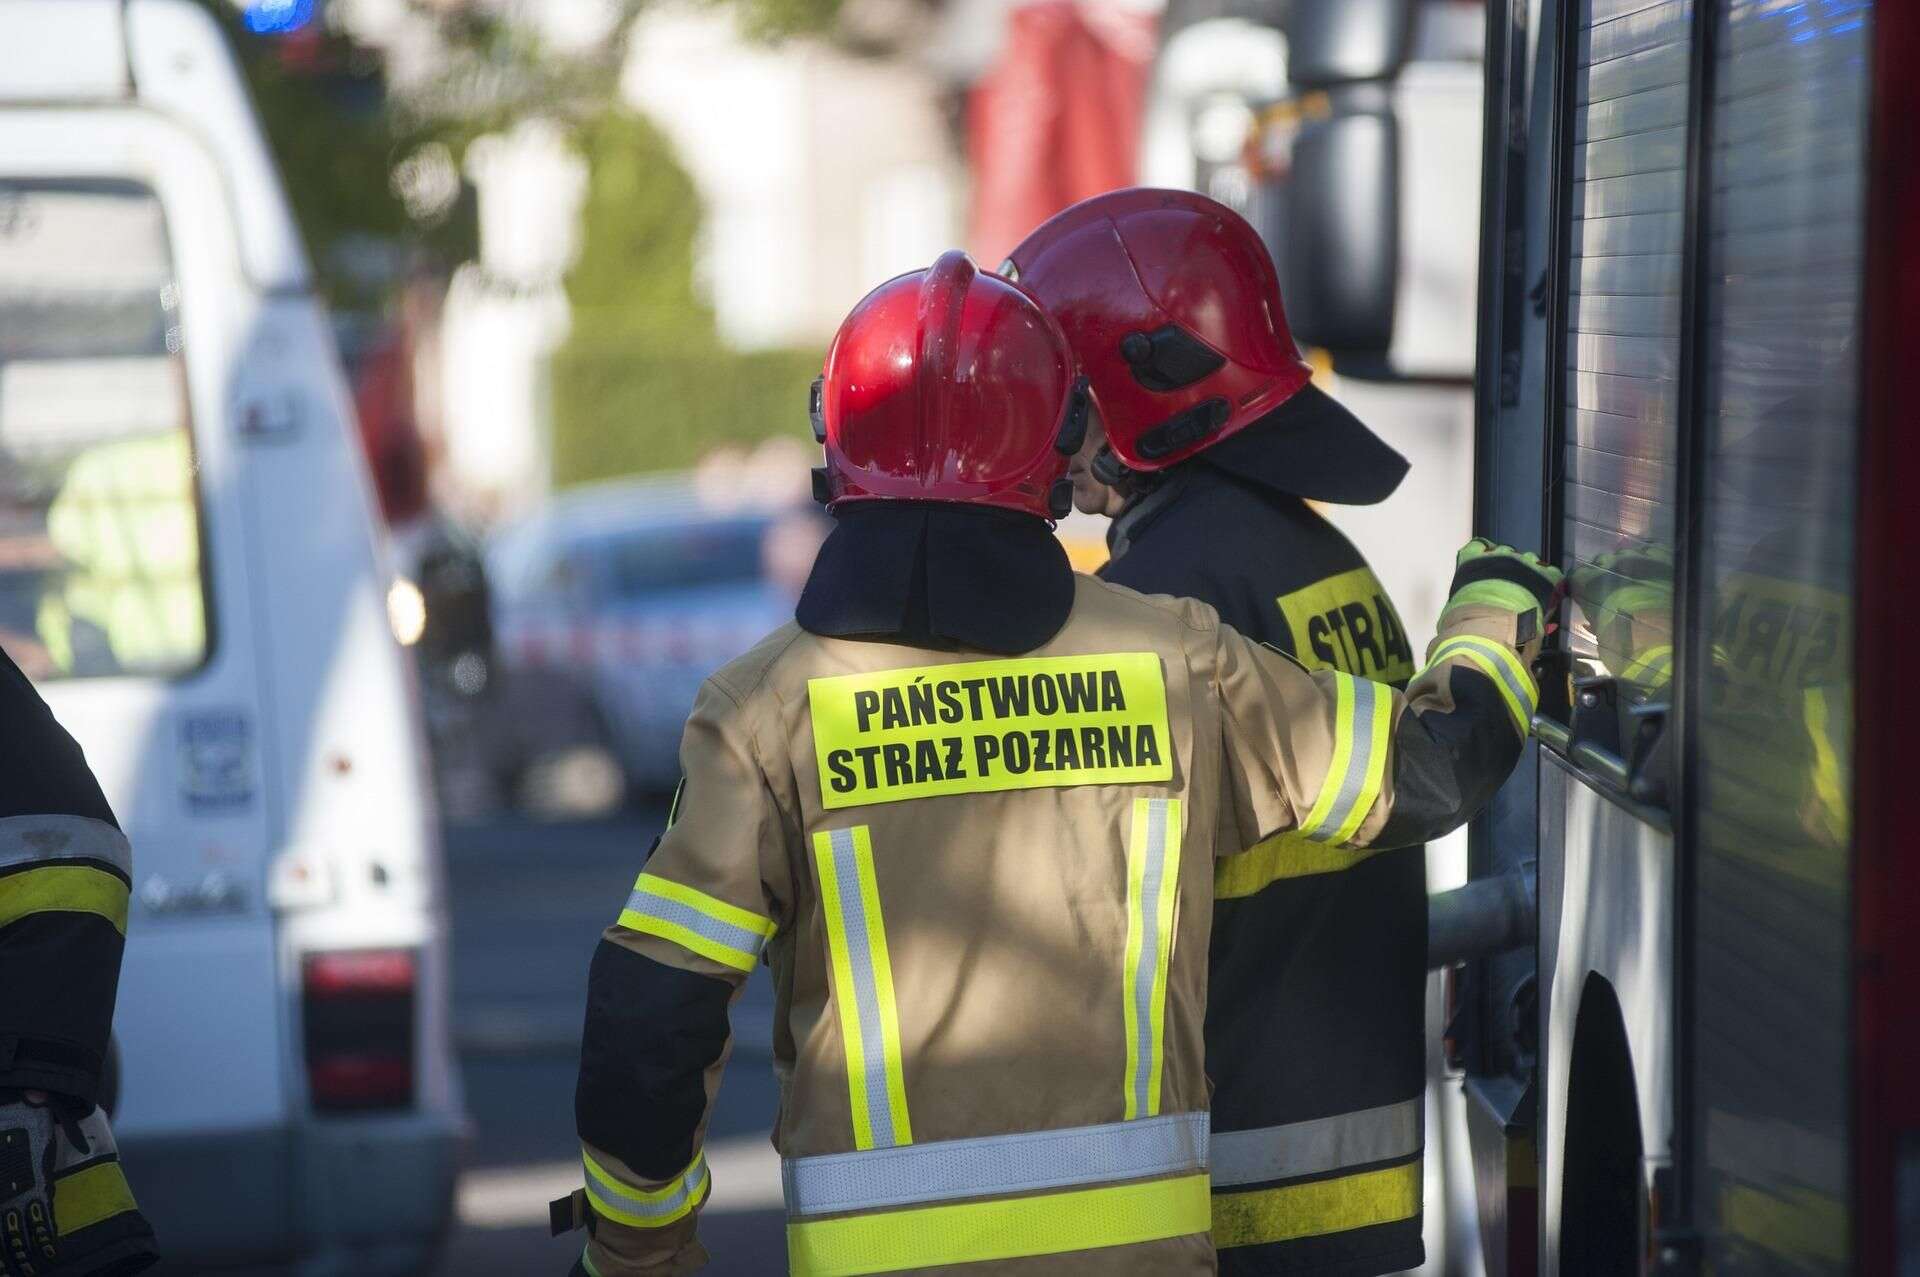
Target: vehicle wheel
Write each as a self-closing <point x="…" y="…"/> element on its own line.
<point x="1600" y="1216"/>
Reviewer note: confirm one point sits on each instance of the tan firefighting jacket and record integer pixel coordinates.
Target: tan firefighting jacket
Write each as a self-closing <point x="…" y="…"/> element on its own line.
<point x="984" y="887"/>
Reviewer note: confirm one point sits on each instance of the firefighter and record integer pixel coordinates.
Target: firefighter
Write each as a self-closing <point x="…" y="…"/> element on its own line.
<point x="1214" y="443"/>
<point x="956" y="807"/>
<point x="65" y="1208"/>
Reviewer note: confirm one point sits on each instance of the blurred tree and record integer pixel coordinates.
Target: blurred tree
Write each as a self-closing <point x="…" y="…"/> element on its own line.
<point x="634" y="276"/>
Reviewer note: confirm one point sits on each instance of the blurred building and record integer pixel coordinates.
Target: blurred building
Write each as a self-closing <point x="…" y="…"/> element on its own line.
<point x="822" y="170"/>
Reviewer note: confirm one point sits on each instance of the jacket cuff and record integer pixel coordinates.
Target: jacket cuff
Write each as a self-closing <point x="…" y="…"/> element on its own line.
<point x="34" y="1065"/>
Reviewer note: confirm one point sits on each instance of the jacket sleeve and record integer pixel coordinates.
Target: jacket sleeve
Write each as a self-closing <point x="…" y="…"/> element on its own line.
<point x="714" y="893"/>
<point x="65" y="870"/>
<point x="1346" y="762"/>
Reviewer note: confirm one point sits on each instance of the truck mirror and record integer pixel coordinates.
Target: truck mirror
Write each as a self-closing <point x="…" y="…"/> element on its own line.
<point x="1333" y="42"/>
<point x="1341" y="246"/>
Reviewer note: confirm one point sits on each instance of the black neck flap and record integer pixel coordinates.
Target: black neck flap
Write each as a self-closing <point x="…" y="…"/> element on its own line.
<point x="1311" y="446"/>
<point x="938" y="575"/>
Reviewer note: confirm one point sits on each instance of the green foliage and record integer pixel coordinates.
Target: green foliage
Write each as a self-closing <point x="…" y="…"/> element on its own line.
<point x="623" y="408"/>
<point x="778" y="19"/>
<point x="641" y="217"/>
<point x="644" y="382"/>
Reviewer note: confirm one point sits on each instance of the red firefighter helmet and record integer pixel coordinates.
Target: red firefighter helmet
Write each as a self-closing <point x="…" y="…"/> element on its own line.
<point x="948" y="385"/>
<point x="1173" y="308"/>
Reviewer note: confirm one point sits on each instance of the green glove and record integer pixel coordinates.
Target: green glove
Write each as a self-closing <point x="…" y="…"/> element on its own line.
<point x="1501" y="576"/>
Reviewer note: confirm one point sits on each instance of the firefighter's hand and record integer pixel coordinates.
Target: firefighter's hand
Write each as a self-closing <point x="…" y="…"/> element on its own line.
<point x="1503" y="576"/>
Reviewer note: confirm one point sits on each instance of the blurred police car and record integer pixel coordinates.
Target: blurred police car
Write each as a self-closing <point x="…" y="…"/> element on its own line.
<point x="611" y="605"/>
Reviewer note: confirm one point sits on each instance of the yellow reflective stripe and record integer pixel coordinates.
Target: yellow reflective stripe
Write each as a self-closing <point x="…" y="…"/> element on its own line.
<point x="1363" y="714"/>
<point x="645" y="1207"/>
<point x="1653" y="667"/>
<point x="974" y="1232"/>
<point x="697" y="921"/>
<point x="1287" y="855"/>
<point x="586" y="1261"/>
<point x="64" y="889"/>
<point x="89" y="1195"/>
<point x="1374" y="768"/>
<point x="1318" y="1207"/>
<point x="1342" y="754"/>
<point x="1153" y="877"/>
<point x="863" y="991"/>
<point x="712" y="906"/>
<point x="883" y="989"/>
<point x="1500" y="664"/>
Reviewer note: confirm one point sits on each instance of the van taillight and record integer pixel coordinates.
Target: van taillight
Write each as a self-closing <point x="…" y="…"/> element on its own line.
<point x="358" y="1016"/>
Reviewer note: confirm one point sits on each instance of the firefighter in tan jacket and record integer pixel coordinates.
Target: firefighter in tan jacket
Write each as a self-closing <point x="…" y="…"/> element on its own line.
<point x="967" y="808"/>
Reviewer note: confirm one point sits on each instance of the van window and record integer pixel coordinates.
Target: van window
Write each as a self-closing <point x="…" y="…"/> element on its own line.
<point x="100" y="548"/>
<point x="1629" y="118"/>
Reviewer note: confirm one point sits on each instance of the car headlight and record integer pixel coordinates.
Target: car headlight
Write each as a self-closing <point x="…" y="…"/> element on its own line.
<point x="406" y="611"/>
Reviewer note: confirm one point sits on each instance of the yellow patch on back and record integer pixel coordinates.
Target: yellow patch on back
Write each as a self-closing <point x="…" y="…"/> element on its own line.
<point x="980" y="726"/>
<point x="1346" y="622"/>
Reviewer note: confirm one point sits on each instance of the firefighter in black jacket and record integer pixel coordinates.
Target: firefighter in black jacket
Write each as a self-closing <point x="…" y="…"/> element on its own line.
<point x="65" y="1208"/>
<point x="1214" y="442"/>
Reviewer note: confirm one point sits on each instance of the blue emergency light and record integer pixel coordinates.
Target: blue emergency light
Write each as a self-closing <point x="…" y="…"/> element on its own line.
<point x="277" y="17"/>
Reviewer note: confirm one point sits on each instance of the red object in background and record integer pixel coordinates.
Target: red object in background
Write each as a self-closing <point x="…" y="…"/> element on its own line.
<point x="946" y="385"/>
<point x="1122" y="269"/>
<point x="1058" y="117"/>
<point x="1886" y="879"/>
<point x="383" y="400"/>
<point x="357" y="1026"/>
<point x="351" y="1082"/>
<point x="359" y="972"/>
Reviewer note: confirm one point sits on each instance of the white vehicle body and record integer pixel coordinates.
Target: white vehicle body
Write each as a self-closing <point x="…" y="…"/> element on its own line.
<point x="275" y="793"/>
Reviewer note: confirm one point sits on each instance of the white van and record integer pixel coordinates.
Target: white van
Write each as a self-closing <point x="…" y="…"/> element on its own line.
<point x="190" y="570"/>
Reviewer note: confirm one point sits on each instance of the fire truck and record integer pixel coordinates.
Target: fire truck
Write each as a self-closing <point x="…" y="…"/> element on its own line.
<point x="1694" y="268"/>
<point x="1696" y="277"/>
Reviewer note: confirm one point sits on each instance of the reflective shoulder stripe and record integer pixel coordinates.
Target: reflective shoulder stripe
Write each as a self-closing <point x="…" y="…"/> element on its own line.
<point x="1652" y="668"/>
<point x="1363" y="712"/>
<point x="645" y="1208"/>
<point x="95" y="1192"/>
<point x="1285" y="855"/>
<point x="696" y="921"/>
<point x="61" y="888"/>
<point x="993" y="1165"/>
<point x="975" y="1232"/>
<point x="1153" y="881"/>
<point x="1317" y="1147"/>
<point x="1317" y="1207"/>
<point x="862" y="976"/>
<point x="26" y="839"/>
<point x="1501" y="664"/>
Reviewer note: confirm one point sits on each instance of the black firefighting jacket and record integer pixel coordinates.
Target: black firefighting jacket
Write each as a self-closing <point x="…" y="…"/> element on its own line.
<point x="1315" y="1015"/>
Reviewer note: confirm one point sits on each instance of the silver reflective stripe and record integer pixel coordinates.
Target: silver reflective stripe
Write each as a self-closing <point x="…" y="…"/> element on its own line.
<point x="1317" y="1147"/>
<point x="25" y="839"/>
<point x="1359" y="761"/>
<point x="684" y="1193"/>
<point x="647" y="904"/>
<point x="1144" y="973"/>
<point x="1494" y="654"/>
<point x="866" y="993"/>
<point x="995" y="1164"/>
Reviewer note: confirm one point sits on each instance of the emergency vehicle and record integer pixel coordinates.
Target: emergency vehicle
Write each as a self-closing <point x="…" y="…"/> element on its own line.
<point x="1698" y="272"/>
<point x="191" y="572"/>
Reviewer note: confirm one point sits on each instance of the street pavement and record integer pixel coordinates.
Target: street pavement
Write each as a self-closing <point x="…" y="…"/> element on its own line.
<point x="529" y="901"/>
